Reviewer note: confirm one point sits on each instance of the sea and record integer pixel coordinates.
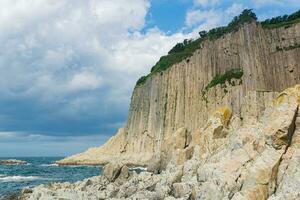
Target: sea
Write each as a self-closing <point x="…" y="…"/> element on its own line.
<point x="40" y="170"/>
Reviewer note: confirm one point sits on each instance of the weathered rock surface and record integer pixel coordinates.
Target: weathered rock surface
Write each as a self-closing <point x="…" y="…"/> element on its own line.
<point x="172" y="99"/>
<point x="13" y="162"/>
<point x="224" y="159"/>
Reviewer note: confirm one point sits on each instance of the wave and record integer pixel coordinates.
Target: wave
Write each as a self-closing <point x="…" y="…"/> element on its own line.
<point x="20" y="178"/>
<point x="2" y="175"/>
<point x="56" y="165"/>
<point x="139" y="168"/>
<point x="75" y="166"/>
<point x="49" y="165"/>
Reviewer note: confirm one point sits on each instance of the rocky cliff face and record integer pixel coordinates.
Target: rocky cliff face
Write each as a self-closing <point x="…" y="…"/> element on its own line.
<point x="224" y="159"/>
<point x="171" y="102"/>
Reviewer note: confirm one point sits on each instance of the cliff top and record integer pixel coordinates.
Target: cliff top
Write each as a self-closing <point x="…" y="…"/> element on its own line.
<point x="184" y="50"/>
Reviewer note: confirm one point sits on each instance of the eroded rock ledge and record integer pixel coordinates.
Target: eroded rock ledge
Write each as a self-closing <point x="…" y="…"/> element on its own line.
<point x="225" y="159"/>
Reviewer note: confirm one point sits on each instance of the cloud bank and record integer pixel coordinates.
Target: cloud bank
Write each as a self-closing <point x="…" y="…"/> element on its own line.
<point x="64" y="62"/>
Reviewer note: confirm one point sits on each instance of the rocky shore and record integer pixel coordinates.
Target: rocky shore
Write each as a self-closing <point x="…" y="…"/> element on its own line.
<point x="225" y="159"/>
<point x="13" y="162"/>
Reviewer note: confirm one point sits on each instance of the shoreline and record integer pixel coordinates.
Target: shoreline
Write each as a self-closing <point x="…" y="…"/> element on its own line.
<point x="226" y="159"/>
<point x="130" y="165"/>
<point x="40" y="171"/>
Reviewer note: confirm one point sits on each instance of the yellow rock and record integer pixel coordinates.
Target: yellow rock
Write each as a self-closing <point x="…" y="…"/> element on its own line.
<point x="289" y="92"/>
<point x="224" y="113"/>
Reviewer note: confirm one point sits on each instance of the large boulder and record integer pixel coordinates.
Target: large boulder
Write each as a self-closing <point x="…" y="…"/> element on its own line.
<point x="172" y="148"/>
<point x="114" y="170"/>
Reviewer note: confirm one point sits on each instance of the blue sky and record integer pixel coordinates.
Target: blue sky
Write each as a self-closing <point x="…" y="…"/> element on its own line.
<point x="67" y="69"/>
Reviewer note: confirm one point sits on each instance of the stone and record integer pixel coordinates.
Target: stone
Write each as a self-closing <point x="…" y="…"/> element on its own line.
<point x="155" y="165"/>
<point x="182" y="190"/>
<point x="112" y="170"/>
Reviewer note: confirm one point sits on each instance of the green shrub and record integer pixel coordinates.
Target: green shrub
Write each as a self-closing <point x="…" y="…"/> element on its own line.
<point x="184" y="50"/>
<point x="246" y="16"/>
<point x="282" y="21"/>
<point x="141" y="80"/>
<point x="221" y="79"/>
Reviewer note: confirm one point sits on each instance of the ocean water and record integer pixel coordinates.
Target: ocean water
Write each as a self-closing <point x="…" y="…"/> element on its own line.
<point x="40" y="170"/>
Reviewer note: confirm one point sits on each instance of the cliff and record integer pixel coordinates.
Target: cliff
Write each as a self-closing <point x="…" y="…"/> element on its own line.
<point x="177" y="101"/>
<point x="225" y="159"/>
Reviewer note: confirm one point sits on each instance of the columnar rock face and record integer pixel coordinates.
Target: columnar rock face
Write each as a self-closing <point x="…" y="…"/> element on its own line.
<point x="171" y="100"/>
<point x="225" y="159"/>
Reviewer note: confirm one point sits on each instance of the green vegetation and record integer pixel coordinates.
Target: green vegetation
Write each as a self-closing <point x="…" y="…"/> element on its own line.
<point x="142" y="80"/>
<point x="182" y="51"/>
<point x="282" y="21"/>
<point x="288" y="48"/>
<point x="166" y="61"/>
<point x="221" y="79"/>
<point x="246" y="16"/>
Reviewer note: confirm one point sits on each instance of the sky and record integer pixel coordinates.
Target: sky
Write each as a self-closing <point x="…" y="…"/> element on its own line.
<point x="68" y="68"/>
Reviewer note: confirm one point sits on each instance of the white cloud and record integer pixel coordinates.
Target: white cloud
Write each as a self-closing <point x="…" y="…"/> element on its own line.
<point x="206" y="3"/>
<point x="280" y="3"/>
<point x="206" y="18"/>
<point x="70" y="57"/>
<point x="112" y="12"/>
<point x="85" y="81"/>
<point x="132" y="54"/>
<point x="201" y="19"/>
<point x="235" y="9"/>
<point x="6" y="135"/>
<point x="260" y="3"/>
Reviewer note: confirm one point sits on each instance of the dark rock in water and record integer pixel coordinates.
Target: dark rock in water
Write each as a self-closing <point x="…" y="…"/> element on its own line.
<point x="13" y="162"/>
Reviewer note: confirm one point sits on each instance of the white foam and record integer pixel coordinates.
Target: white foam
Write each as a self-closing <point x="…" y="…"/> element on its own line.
<point x="74" y="166"/>
<point x="139" y="168"/>
<point x="20" y="178"/>
<point x="49" y="165"/>
<point x="2" y="175"/>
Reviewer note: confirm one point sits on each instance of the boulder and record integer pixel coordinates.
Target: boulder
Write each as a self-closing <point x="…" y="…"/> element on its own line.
<point x="112" y="170"/>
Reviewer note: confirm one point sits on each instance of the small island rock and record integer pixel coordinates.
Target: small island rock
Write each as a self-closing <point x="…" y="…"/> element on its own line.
<point x="13" y="162"/>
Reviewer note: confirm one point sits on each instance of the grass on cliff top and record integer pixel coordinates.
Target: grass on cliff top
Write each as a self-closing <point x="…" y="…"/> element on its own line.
<point x="221" y="79"/>
<point x="282" y="21"/>
<point x="184" y="50"/>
